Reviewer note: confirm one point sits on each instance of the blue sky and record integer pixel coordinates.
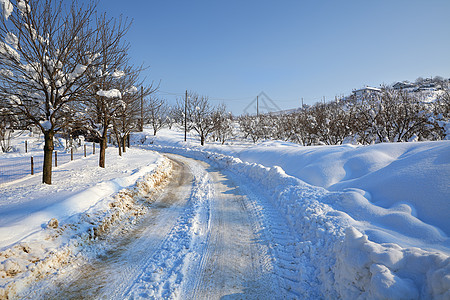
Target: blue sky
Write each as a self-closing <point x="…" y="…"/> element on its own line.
<point x="232" y="50"/>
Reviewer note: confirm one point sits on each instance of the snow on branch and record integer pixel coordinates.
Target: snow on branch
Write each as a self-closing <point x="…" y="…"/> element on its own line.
<point x="7" y="52"/>
<point x="7" y="8"/>
<point x="6" y="73"/>
<point x="23" y="7"/>
<point x="113" y="93"/>
<point x="12" y="39"/>
<point x="47" y="125"/>
<point x="79" y="70"/>
<point x="131" y="90"/>
<point x="118" y="74"/>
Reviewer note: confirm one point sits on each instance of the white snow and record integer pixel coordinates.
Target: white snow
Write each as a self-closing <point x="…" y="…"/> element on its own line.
<point x="394" y="176"/>
<point x="6" y="72"/>
<point x="375" y="218"/>
<point x="7" y="8"/>
<point x="13" y="99"/>
<point x="132" y="90"/>
<point x="79" y="70"/>
<point x="26" y="204"/>
<point x="113" y="93"/>
<point x="47" y="125"/>
<point x="23" y="6"/>
<point x="32" y="31"/>
<point x="12" y="39"/>
<point x="8" y="52"/>
<point x="80" y="189"/>
<point x="118" y="74"/>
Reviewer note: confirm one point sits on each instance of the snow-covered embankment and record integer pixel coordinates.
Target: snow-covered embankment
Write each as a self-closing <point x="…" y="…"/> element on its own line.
<point x="40" y="243"/>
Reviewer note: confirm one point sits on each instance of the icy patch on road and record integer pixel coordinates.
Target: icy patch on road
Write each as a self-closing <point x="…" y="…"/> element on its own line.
<point x="62" y="241"/>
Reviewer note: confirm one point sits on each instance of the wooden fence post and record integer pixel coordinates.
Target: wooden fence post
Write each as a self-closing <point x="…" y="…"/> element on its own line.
<point x="71" y="153"/>
<point x="93" y="148"/>
<point x="56" y="158"/>
<point x="26" y="146"/>
<point x="32" y="166"/>
<point x="84" y="150"/>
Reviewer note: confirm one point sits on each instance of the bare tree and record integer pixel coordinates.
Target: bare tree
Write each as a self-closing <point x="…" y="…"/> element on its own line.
<point x="254" y="127"/>
<point x="199" y="115"/>
<point x="128" y="117"/>
<point x="105" y="100"/>
<point x="156" y="113"/>
<point x="222" y="123"/>
<point x="46" y="52"/>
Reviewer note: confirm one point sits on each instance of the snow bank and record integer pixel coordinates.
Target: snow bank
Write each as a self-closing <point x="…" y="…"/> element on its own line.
<point x="408" y="178"/>
<point x="348" y="246"/>
<point x="75" y="204"/>
<point x="389" y="271"/>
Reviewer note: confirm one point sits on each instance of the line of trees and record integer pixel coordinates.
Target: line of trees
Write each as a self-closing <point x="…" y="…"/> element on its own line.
<point x="65" y="68"/>
<point x="391" y="116"/>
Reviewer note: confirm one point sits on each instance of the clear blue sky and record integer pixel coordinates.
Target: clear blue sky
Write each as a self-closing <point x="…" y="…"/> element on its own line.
<point x="232" y="50"/>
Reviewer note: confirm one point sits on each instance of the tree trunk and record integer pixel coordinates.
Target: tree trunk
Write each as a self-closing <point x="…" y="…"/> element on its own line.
<point x="118" y="139"/>
<point x="48" y="152"/>
<point x="124" y="143"/>
<point x="103" y="143"/>
<point x="119" y="145"/>
<point x="202" y="140"/>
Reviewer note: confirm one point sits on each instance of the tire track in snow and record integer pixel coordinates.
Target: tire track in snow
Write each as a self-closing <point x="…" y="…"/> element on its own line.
<point x="166" y="270"/>
<point x="235" y="264"/>
<point x="289" y="268"/>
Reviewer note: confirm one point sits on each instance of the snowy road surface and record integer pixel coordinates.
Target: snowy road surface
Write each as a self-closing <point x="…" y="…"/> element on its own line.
<point x="201" y="239"/>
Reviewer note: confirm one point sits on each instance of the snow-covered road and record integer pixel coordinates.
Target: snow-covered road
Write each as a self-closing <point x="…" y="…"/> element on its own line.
<point x="202" y="238"/>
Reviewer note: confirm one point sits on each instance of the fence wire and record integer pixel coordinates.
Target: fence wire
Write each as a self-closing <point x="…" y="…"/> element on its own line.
<point x="13" y="168"/>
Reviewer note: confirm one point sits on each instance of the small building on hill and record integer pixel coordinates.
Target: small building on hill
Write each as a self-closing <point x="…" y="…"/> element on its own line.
<point x="403" y="85"/>
<point x="366" y="92"/>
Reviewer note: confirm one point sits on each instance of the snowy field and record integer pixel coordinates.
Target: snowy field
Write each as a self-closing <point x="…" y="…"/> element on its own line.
<point x="335" y="221"/>
<point x="17" y="163"/>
